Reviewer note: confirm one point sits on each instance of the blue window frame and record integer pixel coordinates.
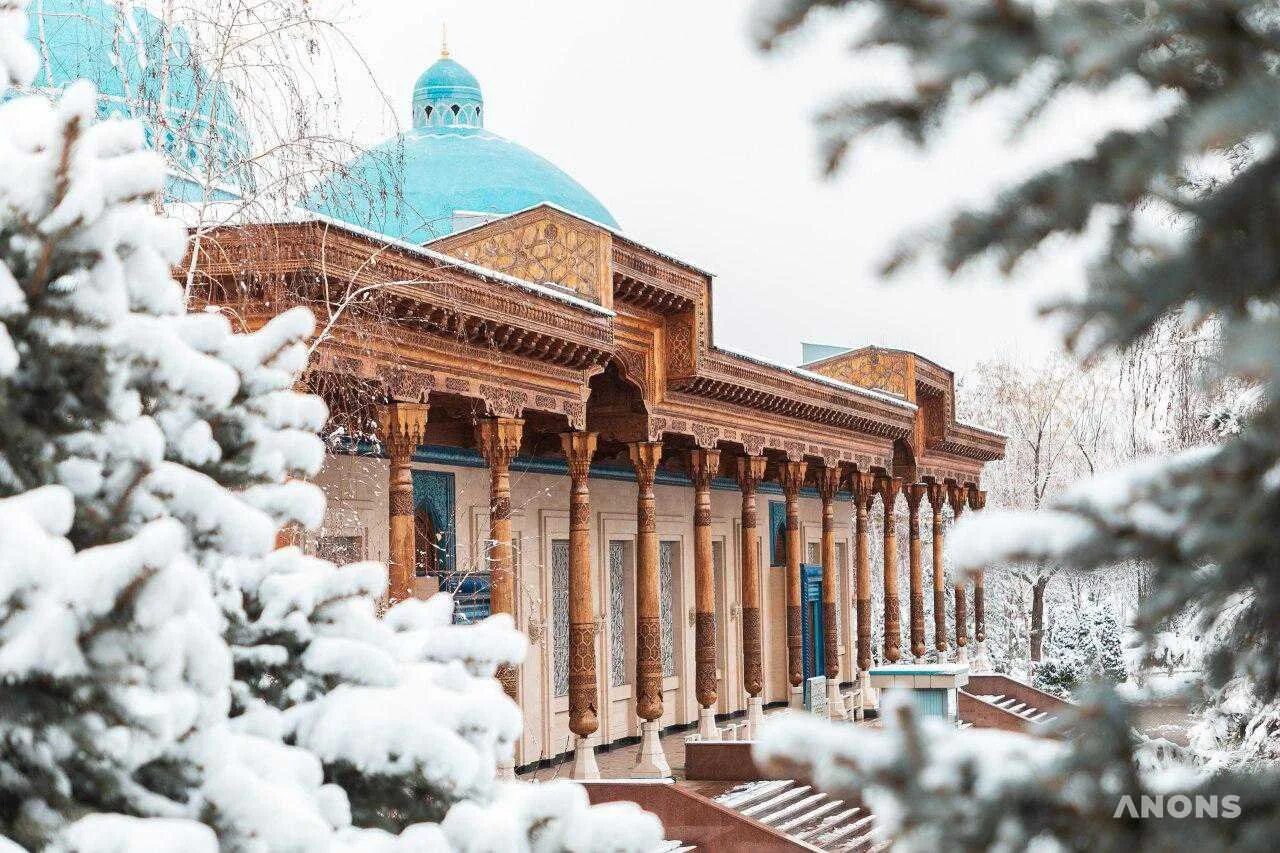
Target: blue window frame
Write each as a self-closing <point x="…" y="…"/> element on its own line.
<point x="777" y="533"/>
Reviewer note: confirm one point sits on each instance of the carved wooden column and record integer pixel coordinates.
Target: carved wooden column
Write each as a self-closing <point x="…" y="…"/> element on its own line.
<point x="403" y="426"/>
<point x="703" y="466"/>
<point x="863" y="496"/>
<point x="791" y="477"/>
<point x="981" y="660"/>
<point x="579" y="447"/>
<point x="937" y="497"/>
<point x="957" y="497"/>
<point x="914" y="493"/>
<point x="750" y="473"/>
<point x="888" y="487"/>
<point x="828" y="484"/>
<point x="651" y="761"/>
<point x="498" y="440"/>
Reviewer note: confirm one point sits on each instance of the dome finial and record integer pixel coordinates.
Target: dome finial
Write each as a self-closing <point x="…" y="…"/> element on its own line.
<point x="444" y="41"/>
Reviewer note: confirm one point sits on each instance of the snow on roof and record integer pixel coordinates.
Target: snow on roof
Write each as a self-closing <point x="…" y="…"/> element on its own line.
<point x="547" y="290"/>
<point x="980" y="428"/>
<point x="611" y="229"/>
<point x="891" y="399"/>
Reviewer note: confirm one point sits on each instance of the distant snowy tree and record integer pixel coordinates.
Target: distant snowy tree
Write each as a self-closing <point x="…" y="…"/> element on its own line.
<point x="172" y="682"/>
<point x="1106" y="636"/>
<point x="1184" y="200"/>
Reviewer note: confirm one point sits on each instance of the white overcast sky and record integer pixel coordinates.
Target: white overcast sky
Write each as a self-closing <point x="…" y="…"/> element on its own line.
<point x="704" y="149"/>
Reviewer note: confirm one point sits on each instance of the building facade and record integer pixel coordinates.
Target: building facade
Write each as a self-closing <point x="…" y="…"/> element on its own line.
<point x="530" y="411"/>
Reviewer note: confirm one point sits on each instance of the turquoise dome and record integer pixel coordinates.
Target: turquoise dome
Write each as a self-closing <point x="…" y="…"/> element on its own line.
<point x="124" y="57"/>
<point x="448" y="172"/>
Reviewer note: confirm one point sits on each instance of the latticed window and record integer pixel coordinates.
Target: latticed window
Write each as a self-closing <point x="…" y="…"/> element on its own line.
<point x="814" y="554"/>
<point x="560" y="616"/>
<point x="666" y="592"/>
<point x="619" y="672"/>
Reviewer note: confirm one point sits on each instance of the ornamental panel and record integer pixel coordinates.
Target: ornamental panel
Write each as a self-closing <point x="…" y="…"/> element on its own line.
<point x="619" y="672"/>
<point x="546" y="250"/>
<point x="560" y="616"/>
<point x="666" y="602"/>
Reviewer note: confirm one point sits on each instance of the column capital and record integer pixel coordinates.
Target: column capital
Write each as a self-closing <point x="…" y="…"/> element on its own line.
<point x="402" y="426"/>
<point x="864" y="489"/>
<point x="791" y="477"/>
<point x="645" y="456"/>
<point x="888" y="487"/>
<point x="828" y="479"/>
<point x="750" y="471"/>
<point x="914" y="493"/>
<point x="579" y="448"/>
<point x="937" y="494"/>
<point x="498" y="440"/>
<point x="977" y="498"/>
<point x="957" y="496"/>
<point x="703" y="467"/>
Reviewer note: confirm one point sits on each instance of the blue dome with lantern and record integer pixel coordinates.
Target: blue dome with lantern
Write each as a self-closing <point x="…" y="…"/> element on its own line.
<point x="448" y="172"/>
<point x="186" y="115"/>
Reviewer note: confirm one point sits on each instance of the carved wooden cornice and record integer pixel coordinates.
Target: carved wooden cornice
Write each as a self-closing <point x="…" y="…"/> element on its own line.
<point x="648" y="281"/>
<point x="732" y="379"/>
<point x="428" y="290"/>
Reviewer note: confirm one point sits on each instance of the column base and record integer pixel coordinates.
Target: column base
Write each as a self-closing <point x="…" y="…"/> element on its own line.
<point x="584" y="760"/>
<point x="865" y="690"/>
<point x="651" y="762"/>
<point x="755" y="718"/>
<point x="962" y="654"/>
<point x="835" y="701"/>
<point x="795" y="698"/>
<point x="506" y="771"/>
<point x="707" y="728"/>
<point x="981" y="660"/>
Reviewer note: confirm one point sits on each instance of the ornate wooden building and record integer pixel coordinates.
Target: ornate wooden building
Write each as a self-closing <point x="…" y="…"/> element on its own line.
<point x="531" y="411"/>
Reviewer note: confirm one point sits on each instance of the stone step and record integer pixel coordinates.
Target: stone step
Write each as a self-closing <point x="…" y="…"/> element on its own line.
<point x="673" y="847"/>
<point x="857" y="830"/>
<point x="799" y="807"/>
<point x="752" y="793"/>
<point x="771" y="805"/>
<point x="831" y="822"/>
<point x="796" y="825"/>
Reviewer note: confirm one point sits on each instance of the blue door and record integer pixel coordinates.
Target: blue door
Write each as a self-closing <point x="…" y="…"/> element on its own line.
<point x="811" y="627"/>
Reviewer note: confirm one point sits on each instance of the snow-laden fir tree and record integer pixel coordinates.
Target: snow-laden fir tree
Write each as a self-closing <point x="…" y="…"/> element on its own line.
<point x="1184" y="197"/>
<point x="1110" y="665"/>
<point x="171" y="682"/>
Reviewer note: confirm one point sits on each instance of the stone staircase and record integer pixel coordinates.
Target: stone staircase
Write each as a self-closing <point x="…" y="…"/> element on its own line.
<point x="1021" y="709"/>
<point x="805" y="815"/>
